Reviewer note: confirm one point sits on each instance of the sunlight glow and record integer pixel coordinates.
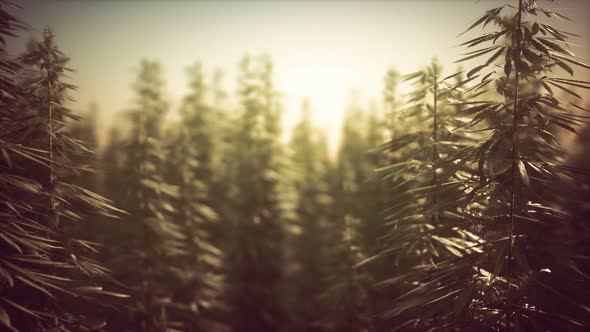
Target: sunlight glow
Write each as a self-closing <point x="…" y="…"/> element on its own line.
<point x="320" y="50"/>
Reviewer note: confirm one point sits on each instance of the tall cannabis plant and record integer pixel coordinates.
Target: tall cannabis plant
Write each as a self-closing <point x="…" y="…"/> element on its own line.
<point x="255" y="250"/>
<point x="514" y="267"/>
<point x="524" y="161"/>
<point x="46" y="272"/>
<point x="310" y="166"/>
<point x="423" y="197"/>
<point x="354" y="222"/>
<point x="143" y="248"/>
<point x="192" y="159"/>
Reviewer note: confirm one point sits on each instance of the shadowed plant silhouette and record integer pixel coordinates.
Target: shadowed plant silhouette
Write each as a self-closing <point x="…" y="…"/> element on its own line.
<point x="45" y="272"/>
<point x="512" y="263"/>
<point x="460" y="206"/>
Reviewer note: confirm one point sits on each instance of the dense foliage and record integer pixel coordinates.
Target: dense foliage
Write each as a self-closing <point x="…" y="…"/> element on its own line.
<point x="45" y="269"/>
<point x="496" y="248"/>
<point x="451" y="208"/>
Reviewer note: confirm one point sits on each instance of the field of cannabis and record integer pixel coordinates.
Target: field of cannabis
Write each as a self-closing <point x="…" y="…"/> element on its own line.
<point x="461" y="207"/>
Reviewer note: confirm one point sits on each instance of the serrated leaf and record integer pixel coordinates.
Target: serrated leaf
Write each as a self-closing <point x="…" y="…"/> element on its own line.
<point x="565" y="89"/>
<point x="495" y="56"/>
<point x="535" y="29"/>
<point x="508" y="63"/>
<point x="473" y="55"/>
<point x="539" y="47"/>
<point x="475" y="70"/>
<point x="478" y="22"/>
<point x="576" y="83"/>
<point x="565" y="67"/>
<point x="554" y="46"/>
<point x="581" y="64"/>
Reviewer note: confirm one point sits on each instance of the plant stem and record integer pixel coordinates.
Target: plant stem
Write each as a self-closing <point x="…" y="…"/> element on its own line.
<point x="513" y="169"/>
<point x="434" y="140"/>
<point x="51" y="185"/>
<point x="434" y="133"/>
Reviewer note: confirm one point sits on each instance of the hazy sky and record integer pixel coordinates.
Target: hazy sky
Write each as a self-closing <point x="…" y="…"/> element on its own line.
<point x="321" y="50"/>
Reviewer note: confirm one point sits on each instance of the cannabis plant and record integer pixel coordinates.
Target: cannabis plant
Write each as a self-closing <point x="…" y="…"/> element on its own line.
<point x="355" y="219"/>
<point x="143" y="250"/>
<point x="192" y="158"/>
<point x="255" y="250"/>
<point x="423" y="203"/>
<point x="522" y="161"/>
<point x="310" y="166"/>
<point x="46" y="273"/>
<point x="515" y="266"/>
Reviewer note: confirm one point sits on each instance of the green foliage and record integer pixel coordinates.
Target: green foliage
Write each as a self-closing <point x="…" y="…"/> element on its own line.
<point x="391" y="100"/>
<point x="145" y="245"/>
<point x="454" y="209"/>
<point x="309" y="167"/>
<point x="497" y="253"/>
<point x="255" y="255"/>
<point x="192" y="160"/>
<point x="45" y="272"/>
<point x="421" y="207"/>
<point x="356" y="218"/>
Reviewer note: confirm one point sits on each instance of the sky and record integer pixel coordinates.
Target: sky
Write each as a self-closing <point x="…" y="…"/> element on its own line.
<point x="321" y="50"/>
